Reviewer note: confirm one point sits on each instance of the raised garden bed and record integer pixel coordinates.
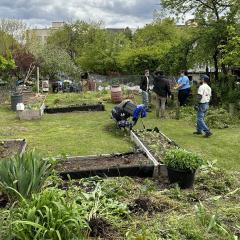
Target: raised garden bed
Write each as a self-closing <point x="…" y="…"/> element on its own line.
<point x="34" y="109"/>
<point x="73" y="108"/>
<point x="9" y="148"/>
<point x="127" y="164"/>
<point x="154" y="143"/>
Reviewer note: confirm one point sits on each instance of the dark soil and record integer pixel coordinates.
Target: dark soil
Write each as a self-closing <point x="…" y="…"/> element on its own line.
<point x="144" y="204"/>
<point x="101" y="228"/>
<point x="83" y="107"/>
<point x="103" y="162"/>
<point x="3" y="200"/>
<point x="10" y="148"/>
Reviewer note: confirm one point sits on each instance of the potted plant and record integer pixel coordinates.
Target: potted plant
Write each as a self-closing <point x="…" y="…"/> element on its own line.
<point x="182" y="166"/>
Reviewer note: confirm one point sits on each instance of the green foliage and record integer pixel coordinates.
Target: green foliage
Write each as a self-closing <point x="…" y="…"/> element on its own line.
<point x="49" y="215"/>
<point x="218" y="118"/>
<point x="55" y="60"/>
<point x="6" y="64"/>
<point x="182" y="159"/>
<point x="26" y="174"/>
<point x="98" y="204"/>
<point x="59" y="99"/>
<point x="215" y="180"/>
<point x="150" y="46"/>
<point x="211" y="222"/>
<point x="231" y="50"/>
<point x="100" y="55"/>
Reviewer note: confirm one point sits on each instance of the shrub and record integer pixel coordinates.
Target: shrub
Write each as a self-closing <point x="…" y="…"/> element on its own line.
<point x="182" y="160"/>
<point x="49" y="215"/>
<point x="218" y="118"/>
<point x="26" y="174"/>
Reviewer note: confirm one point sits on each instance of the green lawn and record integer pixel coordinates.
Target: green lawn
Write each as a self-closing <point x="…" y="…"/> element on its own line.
<point x="72" y="133"/>
<point x="223" y="146"/>
<point x="94" y="133"/>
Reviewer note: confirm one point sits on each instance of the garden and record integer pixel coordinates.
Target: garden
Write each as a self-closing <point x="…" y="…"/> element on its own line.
<point x="68" y="171"/>
<point x="47" y="193"/>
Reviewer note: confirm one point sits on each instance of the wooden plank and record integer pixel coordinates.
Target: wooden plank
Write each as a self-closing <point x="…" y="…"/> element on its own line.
<point x="138" y="142"/>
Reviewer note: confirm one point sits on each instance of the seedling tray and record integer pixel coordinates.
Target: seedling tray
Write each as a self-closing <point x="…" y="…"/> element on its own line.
<point x="83" y="107"/>
<point x="9" y="148"/>
<point x="115" y="165"/>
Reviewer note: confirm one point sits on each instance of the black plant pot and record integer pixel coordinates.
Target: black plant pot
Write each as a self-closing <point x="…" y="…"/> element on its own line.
<point x="184" y="178"/>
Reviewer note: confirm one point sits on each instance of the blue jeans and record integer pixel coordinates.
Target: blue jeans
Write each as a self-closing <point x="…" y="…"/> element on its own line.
<point x="145" y="99"/>
<point x="202" y="110"/>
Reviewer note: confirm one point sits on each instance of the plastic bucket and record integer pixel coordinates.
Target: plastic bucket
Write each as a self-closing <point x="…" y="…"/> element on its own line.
<point x="184" y="178"/>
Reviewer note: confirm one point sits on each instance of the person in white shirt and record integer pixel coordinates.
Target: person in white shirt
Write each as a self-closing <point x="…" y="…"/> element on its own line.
<point x="203" y="96"/>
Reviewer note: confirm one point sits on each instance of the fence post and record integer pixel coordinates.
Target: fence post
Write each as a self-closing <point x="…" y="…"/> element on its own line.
<point x="37" y="79"/>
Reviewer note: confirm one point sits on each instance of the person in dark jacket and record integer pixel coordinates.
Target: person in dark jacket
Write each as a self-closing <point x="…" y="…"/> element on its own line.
<point x="161" y="87"/>
<point x="144" y="86"/>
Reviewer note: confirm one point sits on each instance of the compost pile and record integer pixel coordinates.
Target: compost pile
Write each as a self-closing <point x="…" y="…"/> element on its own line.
<point x="156" y="142"/>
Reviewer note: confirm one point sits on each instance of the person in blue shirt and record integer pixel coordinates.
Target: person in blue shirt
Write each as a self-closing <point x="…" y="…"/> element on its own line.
<point x="183" y="86"/>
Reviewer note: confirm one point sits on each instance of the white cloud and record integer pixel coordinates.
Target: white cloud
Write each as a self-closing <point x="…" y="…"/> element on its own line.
<point x="114" y="13"/>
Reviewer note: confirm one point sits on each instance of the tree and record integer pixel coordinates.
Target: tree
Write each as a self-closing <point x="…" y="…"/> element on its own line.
<point x="74" y="36"/>
<point x="231" y="51"/>
<point x="15" y="28"/>
<point x="54" y="60"/>
<point x="100" y="55"/>
<point x="7" y="64"/>
<point x="213" y="17"/>
<point x="23" y="60"/>
<point x="150" y="46"/>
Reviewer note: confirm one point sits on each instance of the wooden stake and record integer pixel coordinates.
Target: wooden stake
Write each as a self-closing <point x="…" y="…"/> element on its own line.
<point x="37" y="80"/>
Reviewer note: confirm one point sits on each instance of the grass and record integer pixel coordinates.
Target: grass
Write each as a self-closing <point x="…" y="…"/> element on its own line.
<point x="94" y="133"/>
<point x="182" y="216"/>
<point x="71" y="133"/>
<point x="223" y="146"/>
<point x="59" y="99"/>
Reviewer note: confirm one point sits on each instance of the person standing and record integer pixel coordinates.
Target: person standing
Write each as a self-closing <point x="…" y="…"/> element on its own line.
<point x="161" y="87"/>
<point x="203" y="98"/>
<point x="183" y="87"/>
<point x="144" y="86"/>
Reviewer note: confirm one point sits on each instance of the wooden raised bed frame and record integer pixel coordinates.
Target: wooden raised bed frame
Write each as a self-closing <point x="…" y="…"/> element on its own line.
<point x="83" y="107"/>
<point x="22" y="147"/>
<point x="160" y="169"/>
<point x="144" y="168"/>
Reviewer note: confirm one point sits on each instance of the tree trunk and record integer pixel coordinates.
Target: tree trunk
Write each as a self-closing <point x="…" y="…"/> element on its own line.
<point x="215" y="60"/>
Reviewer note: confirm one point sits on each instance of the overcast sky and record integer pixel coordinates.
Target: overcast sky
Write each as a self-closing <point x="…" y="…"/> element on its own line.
<point x="114" y="13"/>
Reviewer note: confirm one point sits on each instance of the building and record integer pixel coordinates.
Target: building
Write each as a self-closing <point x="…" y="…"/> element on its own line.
<point x="42" y="34"/>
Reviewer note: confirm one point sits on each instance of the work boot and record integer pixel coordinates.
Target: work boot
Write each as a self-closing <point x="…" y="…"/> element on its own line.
<point x="197" y="133"/>
<point x="207" y="134"/>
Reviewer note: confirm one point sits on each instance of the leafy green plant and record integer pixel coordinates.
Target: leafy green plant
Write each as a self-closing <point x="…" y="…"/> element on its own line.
<point x="49" y="215"/>
<point x="182" y="159"/>
<point x="218" y="118"/>
<point x="97" y="204"/>
<point x="26" y="174"/>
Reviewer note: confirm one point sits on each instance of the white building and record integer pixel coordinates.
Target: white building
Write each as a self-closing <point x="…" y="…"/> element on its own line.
<point x="42" y="34"/>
